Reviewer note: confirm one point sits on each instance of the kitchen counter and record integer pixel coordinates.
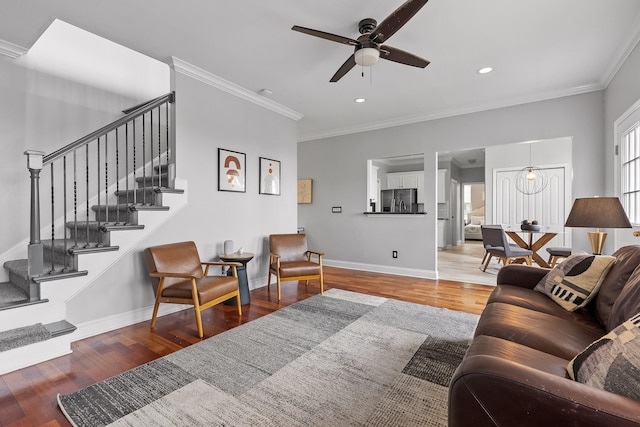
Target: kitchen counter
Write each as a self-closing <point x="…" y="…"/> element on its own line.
<point x="381" y="214"/>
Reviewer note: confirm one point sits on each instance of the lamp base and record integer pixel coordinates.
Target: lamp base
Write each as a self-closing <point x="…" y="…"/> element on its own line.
<point x="597" y="239"/>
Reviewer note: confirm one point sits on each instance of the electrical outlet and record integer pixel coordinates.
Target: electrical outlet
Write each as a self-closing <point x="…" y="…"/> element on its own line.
<point x="336" y="209"/>
<point x="394" y="254"/>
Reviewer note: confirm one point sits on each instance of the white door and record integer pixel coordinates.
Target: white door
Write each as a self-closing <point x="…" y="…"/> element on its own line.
<point x="549" y="207"/>
<point x="627" y="171"/>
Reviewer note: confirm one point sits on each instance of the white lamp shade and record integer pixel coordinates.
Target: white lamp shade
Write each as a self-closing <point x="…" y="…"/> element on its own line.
<point x="367" y="56"/>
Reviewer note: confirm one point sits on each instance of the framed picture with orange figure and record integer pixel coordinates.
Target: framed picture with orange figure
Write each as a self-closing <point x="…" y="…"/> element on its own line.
<point x="269" y="176"/>
<point x="232" y="171"/>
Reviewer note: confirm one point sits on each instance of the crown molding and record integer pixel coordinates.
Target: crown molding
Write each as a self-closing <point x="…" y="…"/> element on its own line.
<point x="407" y="120"/>
<point x="11" y="50"/>
<point x="206" y="77"/>
<point x="622" y="53"/>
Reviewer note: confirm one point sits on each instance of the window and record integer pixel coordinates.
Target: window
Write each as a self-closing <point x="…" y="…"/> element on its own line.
<point x="630" y="171"/>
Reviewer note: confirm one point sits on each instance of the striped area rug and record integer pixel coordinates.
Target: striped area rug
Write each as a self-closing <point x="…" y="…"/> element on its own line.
<point x="336" y="359"/>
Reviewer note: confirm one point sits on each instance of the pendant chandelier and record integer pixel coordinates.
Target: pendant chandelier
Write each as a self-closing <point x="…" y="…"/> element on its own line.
<point x="532" y="179"/>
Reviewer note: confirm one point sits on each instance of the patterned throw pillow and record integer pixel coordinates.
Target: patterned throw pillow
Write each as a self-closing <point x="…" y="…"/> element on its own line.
<point x="575" y="282"/>
<point x="612" y="363"/>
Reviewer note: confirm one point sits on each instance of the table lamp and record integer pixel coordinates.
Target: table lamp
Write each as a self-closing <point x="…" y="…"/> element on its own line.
<point x="597" y="212"/>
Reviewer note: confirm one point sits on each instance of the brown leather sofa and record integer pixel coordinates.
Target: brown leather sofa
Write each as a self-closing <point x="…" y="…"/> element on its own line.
<point x="515" y="372"/>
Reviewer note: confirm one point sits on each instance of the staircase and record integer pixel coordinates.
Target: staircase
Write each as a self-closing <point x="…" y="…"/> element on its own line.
<point x="95" y="215"/>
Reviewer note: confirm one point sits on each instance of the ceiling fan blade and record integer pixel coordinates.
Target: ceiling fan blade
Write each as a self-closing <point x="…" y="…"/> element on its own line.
<point x="396" y="20"/>
<point x="326" y="36"/>
<point x="344" y="69"/>
<point x="397" y="55"/>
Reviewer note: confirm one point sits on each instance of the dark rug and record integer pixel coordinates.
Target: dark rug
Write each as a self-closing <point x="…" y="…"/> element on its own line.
<point x="338" y="359"/>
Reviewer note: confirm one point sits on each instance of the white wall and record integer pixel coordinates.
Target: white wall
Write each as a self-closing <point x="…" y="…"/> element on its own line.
<point x="208" y="119"/>
<point x="338" y="167"/>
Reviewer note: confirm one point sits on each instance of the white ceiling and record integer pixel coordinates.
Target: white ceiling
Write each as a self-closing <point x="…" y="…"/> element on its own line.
<point x="539" y="49"/>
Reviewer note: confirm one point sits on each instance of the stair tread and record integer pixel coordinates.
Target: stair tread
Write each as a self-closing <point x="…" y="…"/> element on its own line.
<point x="70" y="244"/>
<point x="108" y="226"/>
<point x="59" y="274"/>
<point x="10" y="293"/>
<point x="59" y="328"/>
<point x="23" y="303"/>
<point x="154" y="189"/>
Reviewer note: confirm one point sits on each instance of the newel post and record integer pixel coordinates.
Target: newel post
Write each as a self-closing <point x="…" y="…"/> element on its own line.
<point x="35" y="251"/>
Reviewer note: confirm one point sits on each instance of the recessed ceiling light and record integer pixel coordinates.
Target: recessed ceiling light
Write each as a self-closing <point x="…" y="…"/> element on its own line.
<point x="485" y="70"/>
<point x="359" y="100"/>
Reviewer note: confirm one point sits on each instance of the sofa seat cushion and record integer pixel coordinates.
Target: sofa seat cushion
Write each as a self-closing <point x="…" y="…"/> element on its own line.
<point x="502" y="383"/>
<point x="534" y="300"/>
<point x="541" y="331"/>
<point x="612" y="363"/>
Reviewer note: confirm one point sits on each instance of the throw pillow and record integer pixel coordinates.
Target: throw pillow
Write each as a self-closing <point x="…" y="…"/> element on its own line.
<point x="575" y="282"/>
<point x="612" y="363"/>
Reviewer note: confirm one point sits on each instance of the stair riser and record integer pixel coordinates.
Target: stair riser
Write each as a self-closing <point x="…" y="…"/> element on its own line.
<point x="60" y="257"/>
<point x="95" y="236"/>
<point x="20" y="281"/>
<point x="141" y="196"/>
<point x="115" y="213"/>
<point x="153" y="181"/>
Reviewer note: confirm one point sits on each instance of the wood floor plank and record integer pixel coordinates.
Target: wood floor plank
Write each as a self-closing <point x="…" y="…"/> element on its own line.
<point x="28" y="396"/>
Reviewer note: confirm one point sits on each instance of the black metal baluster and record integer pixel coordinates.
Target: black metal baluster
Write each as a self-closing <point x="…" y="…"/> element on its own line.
<point x="53" y="222"/>
<point x="126" y="160"/>
<point x="98" y="213"/>
<point x="86" y="245"/>
<point x="64" y="202"/>
<point x="117" y="177"/>
<point x="106" y="181"/>
<point x="144" y="162"/>
<point x="166" y="123"/>
<point x="135" y="181"/>
<point x="159" y="148"/>
<point x="153" y="171"/>
<point x="75" y="200"/>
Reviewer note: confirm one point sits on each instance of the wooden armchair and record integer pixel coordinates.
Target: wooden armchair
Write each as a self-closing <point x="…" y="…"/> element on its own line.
<point x="177" y="277"/>
<point x="290" y="259"/>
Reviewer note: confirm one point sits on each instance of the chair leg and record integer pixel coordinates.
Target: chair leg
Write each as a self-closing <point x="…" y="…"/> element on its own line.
<point x="239" y="304"/>
<point x="278" y="283"/>
<point x="487" y="263"/>
<point x="321" y="282"/>
<point x="269" y="279"/>
<point x="155" y="313"/>
<point x="484" y="257"/>
<point x="198" y="320"/>
<point x="528" y="260"/>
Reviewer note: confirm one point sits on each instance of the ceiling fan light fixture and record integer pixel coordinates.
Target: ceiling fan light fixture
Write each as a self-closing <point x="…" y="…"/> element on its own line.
<point x="485" y="70"/>
<point x="367" y="56"/>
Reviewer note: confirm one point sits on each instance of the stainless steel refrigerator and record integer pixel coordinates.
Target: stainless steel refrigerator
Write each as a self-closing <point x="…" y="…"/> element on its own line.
<point x="400" y="200"/>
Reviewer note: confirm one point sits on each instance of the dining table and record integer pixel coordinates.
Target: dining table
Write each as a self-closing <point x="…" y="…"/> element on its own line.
<point x="533" y="245"/>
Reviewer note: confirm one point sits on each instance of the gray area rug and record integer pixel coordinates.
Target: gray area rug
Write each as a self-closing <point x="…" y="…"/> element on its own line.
<point x="26" y="335"/>
<point x="336" y="359"/>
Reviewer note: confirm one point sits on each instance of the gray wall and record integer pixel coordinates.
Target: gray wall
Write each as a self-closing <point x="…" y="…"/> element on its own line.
<point x="338" y="167"/>
<point x="207" y="119"/>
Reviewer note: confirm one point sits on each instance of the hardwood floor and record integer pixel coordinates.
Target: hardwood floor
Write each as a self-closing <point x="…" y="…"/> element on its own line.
<point x="28" y="396"/>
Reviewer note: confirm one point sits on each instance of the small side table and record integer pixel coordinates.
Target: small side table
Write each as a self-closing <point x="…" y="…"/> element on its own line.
<point x="243" y="283"/>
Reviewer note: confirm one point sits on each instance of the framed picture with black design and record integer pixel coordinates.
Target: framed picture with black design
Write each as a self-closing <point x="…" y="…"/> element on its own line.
<point x="269" y="177"/>
<point x="232" y="171"/>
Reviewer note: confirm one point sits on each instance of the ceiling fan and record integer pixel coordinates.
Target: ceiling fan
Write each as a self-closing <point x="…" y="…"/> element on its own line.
<point x="369" y="46"/>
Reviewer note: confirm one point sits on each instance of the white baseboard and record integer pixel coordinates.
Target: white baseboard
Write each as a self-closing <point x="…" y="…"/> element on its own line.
<point x="387" y="269"/>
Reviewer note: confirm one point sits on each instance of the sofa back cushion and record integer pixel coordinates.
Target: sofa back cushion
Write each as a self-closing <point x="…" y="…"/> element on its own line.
<point x="612" y="363"/>
<point x="627" y="259"/>
<point x="573" y="283"/>
<point x="628" y="302"/>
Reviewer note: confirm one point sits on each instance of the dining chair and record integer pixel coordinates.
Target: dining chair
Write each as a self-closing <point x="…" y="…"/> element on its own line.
<point x="501" y="248"/>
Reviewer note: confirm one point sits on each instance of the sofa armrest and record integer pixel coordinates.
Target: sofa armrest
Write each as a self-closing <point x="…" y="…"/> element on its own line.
<point x="489" y="391"/>
<point x="521" y="275"/>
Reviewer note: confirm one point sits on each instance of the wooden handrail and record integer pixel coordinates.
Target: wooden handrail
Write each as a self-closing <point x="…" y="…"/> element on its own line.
<point x="142" y="109"/>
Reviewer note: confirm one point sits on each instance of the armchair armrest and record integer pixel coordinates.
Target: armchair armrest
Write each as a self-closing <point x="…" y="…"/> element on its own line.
<point x="317" y="253"/>
<point x="231" y="264"/>
<point x="160" y="275"/>
<point x="521" y="275"/>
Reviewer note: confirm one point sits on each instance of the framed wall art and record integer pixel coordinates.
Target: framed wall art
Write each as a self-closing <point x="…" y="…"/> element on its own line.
<point x="269" y="176"/>
<point x="232" y="171"/>
<point x="305" y="191"/>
